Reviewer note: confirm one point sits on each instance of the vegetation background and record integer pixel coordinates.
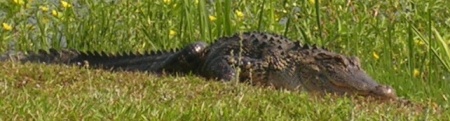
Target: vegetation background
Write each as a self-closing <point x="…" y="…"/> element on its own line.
<point x="402" y="43"/>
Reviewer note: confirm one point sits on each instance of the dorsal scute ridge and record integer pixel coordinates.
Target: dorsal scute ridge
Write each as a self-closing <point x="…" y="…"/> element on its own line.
<point x="123" y="54"/>
<point x="313" y="47"/>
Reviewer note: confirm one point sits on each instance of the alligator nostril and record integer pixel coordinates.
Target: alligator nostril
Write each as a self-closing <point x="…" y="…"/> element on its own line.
<point x="386" y="92"/>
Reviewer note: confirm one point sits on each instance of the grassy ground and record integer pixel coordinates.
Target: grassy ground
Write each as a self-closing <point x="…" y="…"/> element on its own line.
<point x="400" y="43"/>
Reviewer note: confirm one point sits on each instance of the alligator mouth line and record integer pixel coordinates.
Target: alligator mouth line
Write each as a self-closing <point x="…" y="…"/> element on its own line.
<point x="374" y="93"/>
<point x="350" y="90"/>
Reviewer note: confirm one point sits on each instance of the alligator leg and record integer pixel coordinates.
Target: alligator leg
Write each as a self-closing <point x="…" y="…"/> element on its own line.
<point x="225" y="68"/>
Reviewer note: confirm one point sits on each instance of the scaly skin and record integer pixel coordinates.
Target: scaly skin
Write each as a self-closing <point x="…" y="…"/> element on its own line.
<point x="273" y="60"/>
<point x="262" y="58"/>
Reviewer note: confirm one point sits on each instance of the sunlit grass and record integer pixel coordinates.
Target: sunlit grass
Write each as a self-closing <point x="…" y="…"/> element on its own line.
<point x="400" y="43"/>
<point x="46" y="92"/>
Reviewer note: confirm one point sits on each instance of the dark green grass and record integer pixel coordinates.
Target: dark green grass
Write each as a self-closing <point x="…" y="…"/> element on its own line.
<point x="400" y="43"/>
<point x="48" y="92"/>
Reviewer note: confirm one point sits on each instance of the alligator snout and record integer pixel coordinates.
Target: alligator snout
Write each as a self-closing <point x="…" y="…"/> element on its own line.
<point x="384" y="92"/>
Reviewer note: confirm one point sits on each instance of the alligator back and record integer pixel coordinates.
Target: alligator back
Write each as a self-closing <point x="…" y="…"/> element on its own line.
<point x="250" y="51"/>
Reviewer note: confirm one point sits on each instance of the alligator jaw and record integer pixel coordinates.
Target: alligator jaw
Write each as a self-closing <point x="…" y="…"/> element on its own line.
<point x="363" y="87"/>
<point x="384" y="92"/>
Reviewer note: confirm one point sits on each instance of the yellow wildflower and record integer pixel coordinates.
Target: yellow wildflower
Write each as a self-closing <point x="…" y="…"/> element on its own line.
<point x="65" y="4"/>
<point x="212" y="18"/>
<point x="7" y="27"/>
<point x="376" y="56"/>
<point x="313" y="2"/>
<point x="416" y="73"/>
<point x="19" y="2"/>
<point x="277" y="17"/>
<point x="419" y="42"/>
<point x="43" y="8"/>
<point x="239" y="14"/>
<point x="172" y="33"/>
<point x="167" y="1"/>
<point x="56" y="13"/>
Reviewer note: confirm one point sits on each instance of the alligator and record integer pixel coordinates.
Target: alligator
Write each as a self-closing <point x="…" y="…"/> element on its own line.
<point x="257" y="58"/>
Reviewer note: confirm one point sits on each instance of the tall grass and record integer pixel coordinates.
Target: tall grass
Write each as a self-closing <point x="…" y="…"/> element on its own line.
<point x="400" y="43"/>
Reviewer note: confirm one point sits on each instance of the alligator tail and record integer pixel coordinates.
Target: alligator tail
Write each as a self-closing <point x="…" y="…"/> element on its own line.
<point x="149" y="61"/>
<point x="185" y="60"/>
<point x="42" y="56"/>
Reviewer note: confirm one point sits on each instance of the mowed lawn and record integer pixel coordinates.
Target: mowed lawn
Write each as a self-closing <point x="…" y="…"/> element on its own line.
<point x="400" y="43"/>
<point x="44" y="92"/>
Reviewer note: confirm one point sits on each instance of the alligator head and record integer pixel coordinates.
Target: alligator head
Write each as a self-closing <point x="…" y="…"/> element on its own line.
<point x="325" y="71"/>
